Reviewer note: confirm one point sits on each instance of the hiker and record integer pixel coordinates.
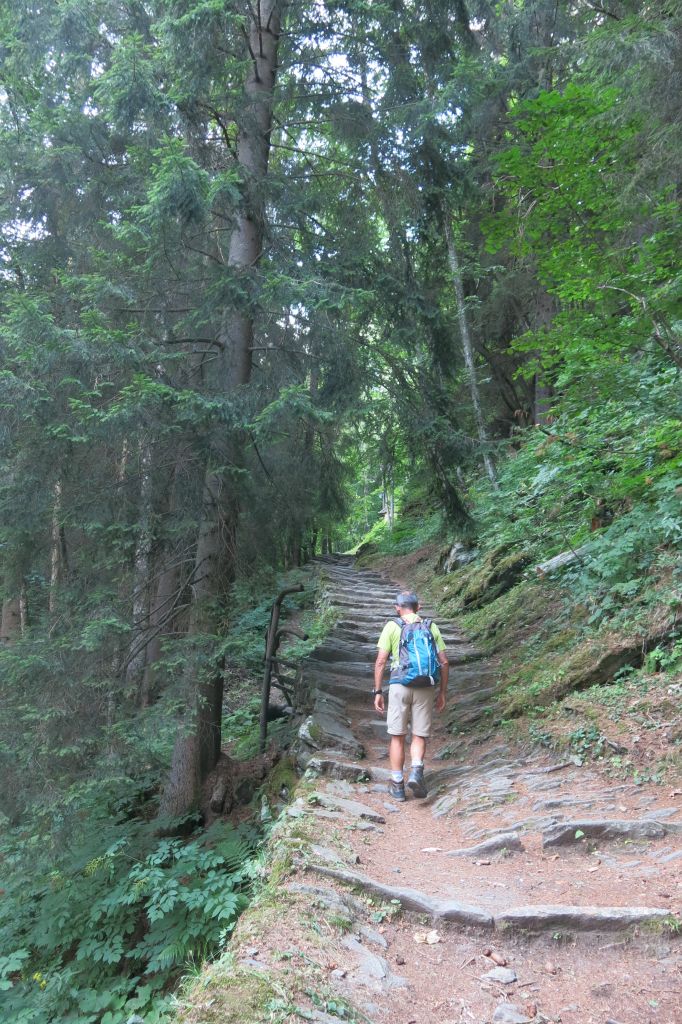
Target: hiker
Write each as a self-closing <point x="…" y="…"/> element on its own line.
<point x="419" y="667"/>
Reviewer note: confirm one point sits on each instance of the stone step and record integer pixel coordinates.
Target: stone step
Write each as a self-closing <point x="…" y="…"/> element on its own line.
<point x="323" y="730"/>
<point x="352" y="634"/>
<point x="462" y="656"/>
<point x="326" y="764"/>
<point x="352" y="631"/>
<point x="337" y="650"/>
<point x="362" y="590"/>
<point x="353" y="808"/>
<point x="358" y="692"/>
<point x="376" y="609"/>
<point x="359" y="669"/>
<point x="374" y="604"/>
<point x="568" y="833"/>
<point x="538" y="917"/>
<point x="368" y="633"/>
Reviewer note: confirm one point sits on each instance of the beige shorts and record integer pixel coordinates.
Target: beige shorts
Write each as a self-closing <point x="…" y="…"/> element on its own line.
<point x="405" y="702"/>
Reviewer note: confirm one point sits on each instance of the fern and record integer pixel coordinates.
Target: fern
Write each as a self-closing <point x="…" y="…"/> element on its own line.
<point x="99" y="932"/>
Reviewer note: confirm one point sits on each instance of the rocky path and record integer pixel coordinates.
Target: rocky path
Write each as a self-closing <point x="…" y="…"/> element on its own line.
<point x="571" y="884"/>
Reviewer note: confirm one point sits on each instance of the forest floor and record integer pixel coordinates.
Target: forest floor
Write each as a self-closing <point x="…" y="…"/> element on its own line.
<point x="527" y="886"/>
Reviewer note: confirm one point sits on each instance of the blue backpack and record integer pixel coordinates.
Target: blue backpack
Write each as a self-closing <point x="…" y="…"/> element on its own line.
<point x="417" y="655"/>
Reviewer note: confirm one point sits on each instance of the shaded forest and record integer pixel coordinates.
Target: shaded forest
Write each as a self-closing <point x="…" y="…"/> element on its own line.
<point x="276" y="280"/>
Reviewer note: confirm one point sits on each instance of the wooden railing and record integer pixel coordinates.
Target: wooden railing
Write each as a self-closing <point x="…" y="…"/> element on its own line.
<point x="272" y="642"/>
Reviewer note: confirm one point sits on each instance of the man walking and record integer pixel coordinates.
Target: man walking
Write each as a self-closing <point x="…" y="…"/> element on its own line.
<point x="419" y="668"/>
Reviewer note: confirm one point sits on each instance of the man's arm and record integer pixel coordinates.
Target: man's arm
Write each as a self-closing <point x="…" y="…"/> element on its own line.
<point x="444" y="673"/>
<point x="379" y="666"/>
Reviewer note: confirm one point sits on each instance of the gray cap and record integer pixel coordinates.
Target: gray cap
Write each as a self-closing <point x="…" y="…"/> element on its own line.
<point x="406" y="598"/>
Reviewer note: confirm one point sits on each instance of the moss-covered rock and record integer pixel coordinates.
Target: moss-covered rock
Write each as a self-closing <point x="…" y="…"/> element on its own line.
<point x="592" y="663"/>
<point x="492" y="576"/>
<point x="231" y="995"/>
<point x="456" y="556"/>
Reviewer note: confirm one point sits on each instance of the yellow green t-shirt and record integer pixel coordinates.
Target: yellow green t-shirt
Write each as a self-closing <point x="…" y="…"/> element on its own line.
<point x="389" y="640"/>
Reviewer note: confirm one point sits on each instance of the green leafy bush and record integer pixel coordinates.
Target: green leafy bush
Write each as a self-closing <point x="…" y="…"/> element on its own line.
<point x="604" y="479"/>
<point x="98" y="930"/>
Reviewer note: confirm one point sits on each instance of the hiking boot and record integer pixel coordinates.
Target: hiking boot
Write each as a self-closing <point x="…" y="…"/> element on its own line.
<point x="396" y="790"/>
<point x="416" y="781"/>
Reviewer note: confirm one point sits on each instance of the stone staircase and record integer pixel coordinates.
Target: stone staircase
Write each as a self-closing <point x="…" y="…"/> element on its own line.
<point x="509" y="831"/>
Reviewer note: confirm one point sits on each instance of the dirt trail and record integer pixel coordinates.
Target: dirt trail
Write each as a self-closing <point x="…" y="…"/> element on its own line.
<point x="573" y="881"/>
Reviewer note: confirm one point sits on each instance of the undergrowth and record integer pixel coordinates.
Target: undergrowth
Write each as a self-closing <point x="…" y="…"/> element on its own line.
<point x="604" y="480"/>
<point x="98" y="929"/>
<point x="100" y="916"/>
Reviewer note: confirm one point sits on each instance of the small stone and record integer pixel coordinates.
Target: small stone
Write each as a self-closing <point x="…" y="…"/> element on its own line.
<point x="339" y="974"/>
<point x="507" y="1013"/>
<point x="497" y="958"/>
<point x="504" y="975"/>
<point x="256" y="965"/>
<point x="372" y="935"/>
<point x="400" y="960"/>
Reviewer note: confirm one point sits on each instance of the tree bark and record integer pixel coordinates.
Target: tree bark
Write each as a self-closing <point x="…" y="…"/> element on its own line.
<point x="198" y="743"/>
<point x="140" y="603"/>
<point x="467" y="348"/>
<point x="161" y="615"/>
<point x="58" y="554"/>
<point x="10" y="627"/>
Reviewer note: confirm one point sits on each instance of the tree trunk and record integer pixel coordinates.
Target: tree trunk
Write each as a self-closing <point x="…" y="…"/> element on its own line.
<point x="141" y="625"/>
<point x="161" y="615"/>
<point x="197" y="746"/>
<point x="10" y="627"/>
<point x="543" y="315"/>
<point x="58" y="556"/>
<point x="23" y="609"/>
<point x="467" y="348"/>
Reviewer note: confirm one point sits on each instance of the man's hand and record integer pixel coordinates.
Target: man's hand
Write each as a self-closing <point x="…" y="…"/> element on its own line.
<point x="379" y="666"/>
<point x="440" y="701"/>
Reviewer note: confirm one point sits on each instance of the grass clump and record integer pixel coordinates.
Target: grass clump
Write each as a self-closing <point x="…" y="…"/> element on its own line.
<point x="230" y="994"/>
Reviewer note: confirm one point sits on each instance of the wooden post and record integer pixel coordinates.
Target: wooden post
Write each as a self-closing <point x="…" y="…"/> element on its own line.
<point x="270" y="648"/>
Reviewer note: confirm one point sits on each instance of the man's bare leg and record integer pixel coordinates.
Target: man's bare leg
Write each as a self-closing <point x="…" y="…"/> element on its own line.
<point x="396" y="753"/>
<point x="416" y="779"/>
<point x="417" y="750"/>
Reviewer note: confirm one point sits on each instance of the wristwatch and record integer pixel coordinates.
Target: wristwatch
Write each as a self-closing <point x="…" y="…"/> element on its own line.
<point x="377" y="693"/>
